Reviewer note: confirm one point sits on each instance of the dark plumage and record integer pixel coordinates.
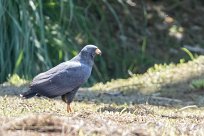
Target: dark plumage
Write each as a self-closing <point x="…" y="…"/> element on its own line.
<point x="64" y="79"/>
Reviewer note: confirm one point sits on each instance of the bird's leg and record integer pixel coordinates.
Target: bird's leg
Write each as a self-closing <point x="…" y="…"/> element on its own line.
<point x="69" y="108"/>
<point x="68" y="98"/>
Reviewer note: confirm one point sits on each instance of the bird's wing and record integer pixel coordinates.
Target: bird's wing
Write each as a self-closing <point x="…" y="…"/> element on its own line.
<point x="61" y="79"/>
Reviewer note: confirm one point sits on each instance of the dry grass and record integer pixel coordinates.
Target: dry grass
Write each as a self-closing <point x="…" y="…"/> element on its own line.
<point x="155" y="107"/>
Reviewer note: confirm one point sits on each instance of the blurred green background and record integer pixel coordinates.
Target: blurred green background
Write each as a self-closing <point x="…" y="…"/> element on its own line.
<point x="133" y="35"/>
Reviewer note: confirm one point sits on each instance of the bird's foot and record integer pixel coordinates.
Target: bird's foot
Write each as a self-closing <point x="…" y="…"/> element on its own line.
<point x="69" y="110"/>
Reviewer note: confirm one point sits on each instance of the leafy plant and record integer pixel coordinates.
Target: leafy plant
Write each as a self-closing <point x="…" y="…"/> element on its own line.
<point x="197" y="84"/>
<point x="16" y="80"/>
<point x="189" y="53"/>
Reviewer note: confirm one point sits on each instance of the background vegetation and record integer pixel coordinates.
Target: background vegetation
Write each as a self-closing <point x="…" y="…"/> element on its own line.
<point x="35" y="35"/>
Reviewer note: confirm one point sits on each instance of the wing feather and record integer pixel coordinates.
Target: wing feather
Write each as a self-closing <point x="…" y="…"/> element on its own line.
<point x="61" y="79"/>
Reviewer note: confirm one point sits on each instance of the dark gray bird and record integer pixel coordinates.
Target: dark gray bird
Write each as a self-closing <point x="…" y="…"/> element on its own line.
<point x="64" y="79"/>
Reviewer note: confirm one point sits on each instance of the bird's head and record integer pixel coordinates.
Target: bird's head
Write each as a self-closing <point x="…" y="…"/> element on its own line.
<point x="91" y="50"/>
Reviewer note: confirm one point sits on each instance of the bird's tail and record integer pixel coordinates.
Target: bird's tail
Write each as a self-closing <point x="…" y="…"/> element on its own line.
<point x="30" y="93"/>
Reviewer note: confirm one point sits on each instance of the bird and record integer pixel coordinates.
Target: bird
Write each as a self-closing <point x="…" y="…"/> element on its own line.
<point x="64" y="79"/>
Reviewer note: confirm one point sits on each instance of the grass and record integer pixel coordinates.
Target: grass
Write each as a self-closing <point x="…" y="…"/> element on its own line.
<point x="157" y="77"/>
<point x="197" y="84"/>
<point x="16" y="80"/>
<point x="48" y="116"/>
<point x="43" y="116"/>
<point x="167" y="107"/>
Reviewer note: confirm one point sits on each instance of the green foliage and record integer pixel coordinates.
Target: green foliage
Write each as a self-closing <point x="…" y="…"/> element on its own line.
<point x="189" y="53"/>
<point x="23" y="49"/>
<point x="197" y="84"/>
<point x="16" y="80"/>
<point x="39" y="34"/>
<point x="159" y="67"/>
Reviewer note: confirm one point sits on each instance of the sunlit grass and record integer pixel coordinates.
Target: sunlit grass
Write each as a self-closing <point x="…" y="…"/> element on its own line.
<point x="43" y="114"/>
<point x="16" y="80"/>
<point x="157" y="77"/>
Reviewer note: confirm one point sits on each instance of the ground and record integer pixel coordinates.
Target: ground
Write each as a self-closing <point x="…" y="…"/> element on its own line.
<point x="163" y="101"/>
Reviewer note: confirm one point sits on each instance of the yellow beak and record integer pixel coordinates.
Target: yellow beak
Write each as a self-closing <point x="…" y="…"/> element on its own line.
<point x="98" y="52"/>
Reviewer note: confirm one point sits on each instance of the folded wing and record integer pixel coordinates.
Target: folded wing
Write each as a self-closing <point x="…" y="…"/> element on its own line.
<point x="61" y="79"/>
